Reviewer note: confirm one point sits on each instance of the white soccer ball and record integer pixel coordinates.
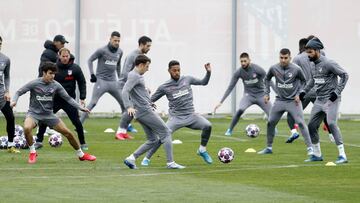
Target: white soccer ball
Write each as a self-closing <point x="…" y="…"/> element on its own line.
<point x="19" y="130"/>
<point x="20" y="142"/>
<point x="55" y="140"/>
<point x="3" y="142"/>
<point x="252" y="130"/>
<point x="226" y="155"/>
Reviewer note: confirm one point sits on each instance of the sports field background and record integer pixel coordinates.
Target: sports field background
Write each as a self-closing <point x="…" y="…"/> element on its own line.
<point x="281" y="177"/>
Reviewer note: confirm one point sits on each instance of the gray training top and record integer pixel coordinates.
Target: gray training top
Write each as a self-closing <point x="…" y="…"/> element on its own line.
<point x="302" y="60"/>
<point x="108" y="63"/>
<point x="4" y="74"/>
<point x="129" y="65"/>
<point x="324" y="78"/>
<point x="179" y="94"/>
<point x="42" y="96"/>
<point x="134" y="90"/>
<point x="289" y="81"/>
<point x="253" y="81"/>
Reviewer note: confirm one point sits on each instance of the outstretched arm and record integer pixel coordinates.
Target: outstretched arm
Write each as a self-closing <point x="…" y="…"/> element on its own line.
<point x="205" y="80"/>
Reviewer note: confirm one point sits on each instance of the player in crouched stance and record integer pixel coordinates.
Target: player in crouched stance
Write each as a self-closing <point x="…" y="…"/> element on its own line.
<point x="141" y="108"/>
<point x="289" y="82"/>
<point x="42" y="91"/>
<point x="179" y="93"/>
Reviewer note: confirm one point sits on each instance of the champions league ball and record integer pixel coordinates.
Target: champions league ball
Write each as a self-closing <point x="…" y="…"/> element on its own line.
<point x="20" y="142"/>
<point x="3" y="142"/>
<point x="55" y="140"/>
<point x="252" y="130"/>
<point x="19" y="131"/>
<point x="226" y="155"/>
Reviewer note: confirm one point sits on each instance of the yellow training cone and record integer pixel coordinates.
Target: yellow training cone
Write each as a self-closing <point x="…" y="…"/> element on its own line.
<point x="250" y="150"/>
<point x="330" y="164"/>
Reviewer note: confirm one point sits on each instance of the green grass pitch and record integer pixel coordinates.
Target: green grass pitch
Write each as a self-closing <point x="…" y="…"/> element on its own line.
<point x="58" y="176"/>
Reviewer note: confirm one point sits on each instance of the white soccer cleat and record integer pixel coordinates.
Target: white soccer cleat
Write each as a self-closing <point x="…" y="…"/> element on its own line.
<point x="174" y="165"/>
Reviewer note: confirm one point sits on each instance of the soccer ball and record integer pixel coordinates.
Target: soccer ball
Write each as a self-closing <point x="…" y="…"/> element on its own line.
<point x="3" y="142"/>
<point x="226" y="155"/>
<point x="252" y="130"/>
<point x="19" y="131"/>
<point x="20" y="142"/>
<point x="55" y="140"/>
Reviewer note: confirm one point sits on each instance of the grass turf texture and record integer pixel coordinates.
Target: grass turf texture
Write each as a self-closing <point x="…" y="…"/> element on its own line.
<point x="281" y="177"/>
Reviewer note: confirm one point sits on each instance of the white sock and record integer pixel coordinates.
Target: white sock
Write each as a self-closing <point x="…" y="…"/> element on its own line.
<point x="269" y="148"/>
<point x="32" y="148"/>
<point x="317" y="149"/>
<point x="293" y="131"/>
<point x="341" y="149"/>
<point x="121" y="130"/>
<point x="169" y="163"/>
<point x="202" y="149"/>
<point x="145" y="158"/>
<point x="79" y="153"/>
<point x="11" y="144"/>
<point x="131" y="157"/>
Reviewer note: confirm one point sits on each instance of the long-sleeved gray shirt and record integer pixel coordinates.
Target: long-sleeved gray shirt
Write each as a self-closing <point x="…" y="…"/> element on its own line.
<point x="253" y="81"/>
<point x="129" y="65"/>
<point x="135" y="95"/>
<point x="289" y="80"/>
<point x="302" y="60"/>
<point x="108" y="64"/>
<point x="42" y="96"/>
<point x="4" y="74"/>
<point x="325" y="78"/>
<point x="179" y="94"/>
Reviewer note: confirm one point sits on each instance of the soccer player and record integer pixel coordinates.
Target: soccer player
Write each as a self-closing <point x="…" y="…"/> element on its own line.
<point x="129" y="64"/>
<point x="140" y="107"/>
<point x="181" y="108"/>
<point x="252" y="76"/>
<point x="107" y="71"/>
<point x="302" y="60"/>
<point x="42" y="91"/>
<point x="68" y="75"/>
<point x="328" y="96"/>
<point x="5" y="100"/>
<point x="51" y="50"/>
<point x="289" y="82"/>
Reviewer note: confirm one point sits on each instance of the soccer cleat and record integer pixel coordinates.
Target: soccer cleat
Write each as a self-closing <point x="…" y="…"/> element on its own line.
<point x="145" y="162"/>
<point x="341" y="160"/>
<point x="314" y="158"/>
<point x="38" y="145"/>
<point x="174" y="165"/>
<point x="131" y="129"/>
<point x="130" y="163"/>
<point x="32" y="158"/>
<point x="205" y="155"/>
<point x="293" y="137"/>
<point x="87" y="157"/>
<point x="228" y="132"/>
<point x="84" y="147"/>
<point x="123" y="136"/>
<point x="13" y="150"/>
<point x="266" y="151"/>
